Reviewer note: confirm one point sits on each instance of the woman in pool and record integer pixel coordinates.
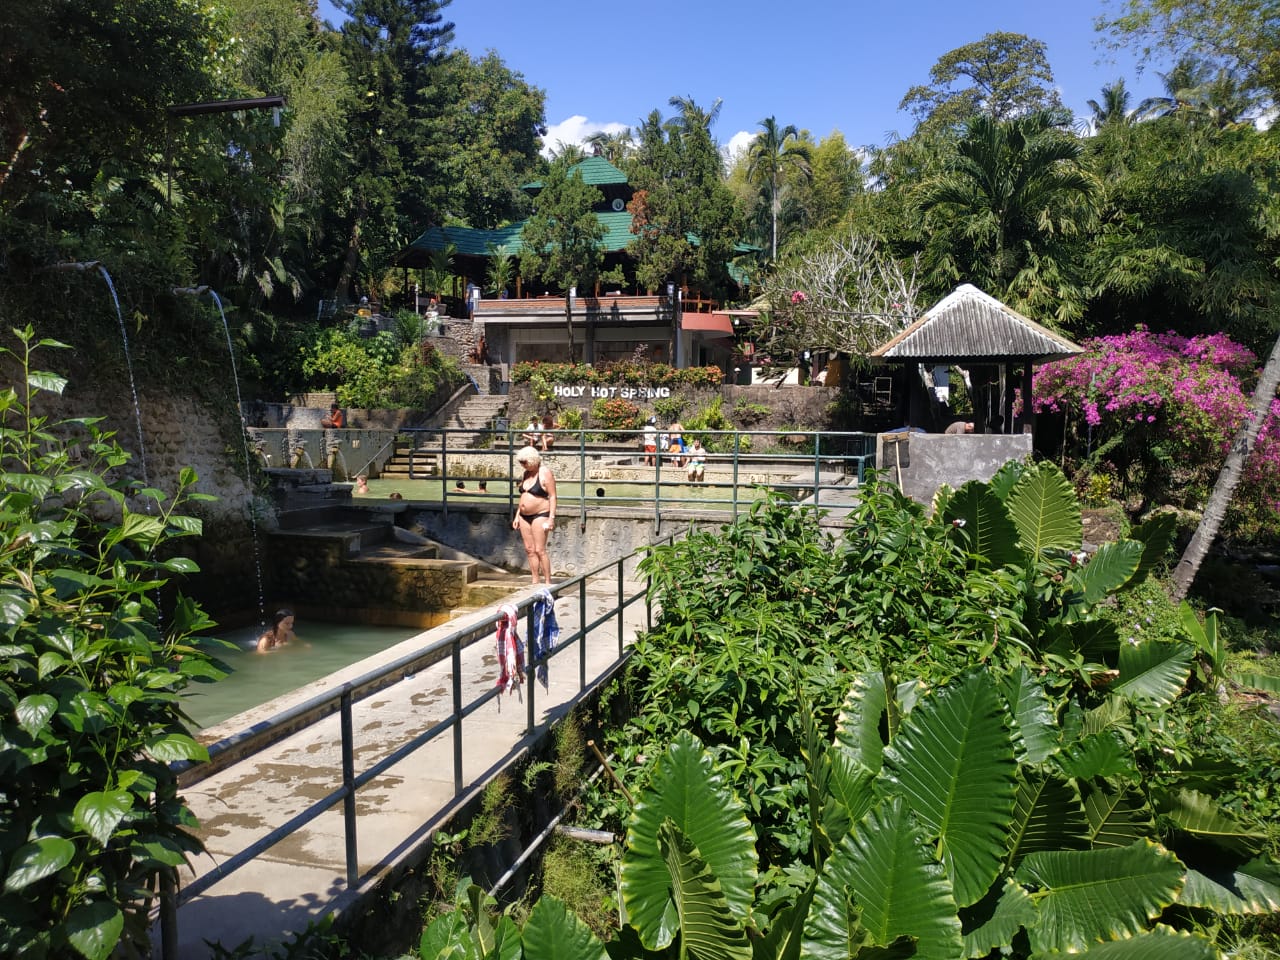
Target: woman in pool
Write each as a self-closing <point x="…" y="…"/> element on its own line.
<point x="536" y="512"/>
<point x="280" y="632"/>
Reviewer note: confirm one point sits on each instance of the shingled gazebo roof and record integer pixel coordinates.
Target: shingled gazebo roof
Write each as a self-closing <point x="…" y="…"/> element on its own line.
<point x="968" y="326"/>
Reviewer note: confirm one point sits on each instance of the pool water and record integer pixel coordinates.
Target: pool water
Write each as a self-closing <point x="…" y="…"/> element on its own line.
<point x="321" y="649"/>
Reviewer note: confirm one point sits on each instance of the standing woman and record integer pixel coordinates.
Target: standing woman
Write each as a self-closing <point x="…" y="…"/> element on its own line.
<point x="536" y="511"/>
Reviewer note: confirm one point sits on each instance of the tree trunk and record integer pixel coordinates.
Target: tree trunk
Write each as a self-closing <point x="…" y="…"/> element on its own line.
<point x="342" y="291"/>
<point x="568" y="324"/>
<point x="1216" y="509"/>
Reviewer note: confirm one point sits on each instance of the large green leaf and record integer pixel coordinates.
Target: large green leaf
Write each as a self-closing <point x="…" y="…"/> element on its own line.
<point x="1100" y="755"/>
<point x="448" y="937"/>
<point x="1045" y="510"/>
<point x="1091" y="895"/>
<point x="953" y="762"/>
<point x="881" y="881"/>
<point x="1200" y="816"/>
<point x="1252" y="888"/>
<point x="1047" y="816"/>
<point x="37" y="860"/>
<point x="33" y="712"/>
<point x="708" y="928"/>
<point x="851" y="793"/>
<point x="169" y="747"/>
<point x="687" y="789"/>
<point x="982" y="521"/>
<point x="858" y="734"/>
<point x="1153" y="672"/>
<point x="1008" y="911"/>
<point x="1033" y="718"/>
<point x="1160" y="943"/>
<point x="1156" y="535"/>
<point x="1109" y="569"/>
<point x="94" y="928"/>
<point x="1117" y="818"/>
<point x="98" y="813"/>
<point x="553" y="933"/>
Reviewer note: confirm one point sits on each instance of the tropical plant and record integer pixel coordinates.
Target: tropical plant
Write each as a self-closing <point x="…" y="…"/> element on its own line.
<point x="1014" y="193"/>
<point x="774" y="152"/>
<point x="93" y="671"/>
<point x="500" y="271"/>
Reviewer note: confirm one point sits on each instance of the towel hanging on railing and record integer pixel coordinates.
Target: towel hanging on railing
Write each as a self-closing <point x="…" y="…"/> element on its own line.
<point x="510" y="652"/>
<point x="545" y="631"/>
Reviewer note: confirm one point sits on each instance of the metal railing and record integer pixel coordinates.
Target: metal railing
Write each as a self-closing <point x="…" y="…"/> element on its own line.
<point x="342" y="698"/>
<point x="820" y="463"/>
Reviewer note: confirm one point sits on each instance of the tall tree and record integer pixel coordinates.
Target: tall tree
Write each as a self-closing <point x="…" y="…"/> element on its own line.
<point x="560" y="243"/>
<point x="1240" y="37"/>
<point x="836" y="179"/>
<point x="682" y="212"/>
<point x="1014" y="191"/>
<point x="773" y="153"/>
<point x="614" y="146"/>
<point x="1002" y="76"/>
<point x="490" y="128"/>
<point x="391" y="49"/>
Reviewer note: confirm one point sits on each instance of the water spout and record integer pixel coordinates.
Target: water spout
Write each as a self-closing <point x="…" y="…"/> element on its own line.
<point x="200" y="291"/>
<point x="128" y="357"/>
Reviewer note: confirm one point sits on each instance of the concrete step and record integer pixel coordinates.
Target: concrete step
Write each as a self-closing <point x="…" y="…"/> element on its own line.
<point x="394" y="550"/>
<point x="491" y="587"/>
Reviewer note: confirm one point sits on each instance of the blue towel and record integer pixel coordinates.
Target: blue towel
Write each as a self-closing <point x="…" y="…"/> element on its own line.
<point x="544" y="633"/>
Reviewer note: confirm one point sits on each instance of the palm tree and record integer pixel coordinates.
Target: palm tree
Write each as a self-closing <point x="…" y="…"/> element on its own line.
<point x="1012" y="190"/>
<point x="773" y="152"/>
<point x="1113" y="109"/>
<point x="501" y="268"/>
<point x="693" y="116"/>
<point x="1196" y="95"/>
<point x="614" y="147"/>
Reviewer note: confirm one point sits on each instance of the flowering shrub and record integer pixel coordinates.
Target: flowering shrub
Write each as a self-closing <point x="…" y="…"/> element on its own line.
<point x="1159" y="412"/>
<point x="616" y="414"/>
<point x="630" y="373"/>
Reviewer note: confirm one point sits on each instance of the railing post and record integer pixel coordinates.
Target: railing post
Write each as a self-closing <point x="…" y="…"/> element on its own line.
<point x="737" y="444"/>
<point x="349" y="784"/>
<point x="582" y="627"/>
<point x="456" y="655"/>
<point x="621" y="609"/>
<point x="657" y="493"/>
<point x="817" y="470"/>
<point x="169" y="913"/>
<point x="531" y="672"/>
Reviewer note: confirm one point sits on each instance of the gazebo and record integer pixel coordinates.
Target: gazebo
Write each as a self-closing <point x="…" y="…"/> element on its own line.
<point x="974" y="331"/>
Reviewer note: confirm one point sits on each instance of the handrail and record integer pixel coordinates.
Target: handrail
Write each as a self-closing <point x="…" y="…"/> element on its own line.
<point x="344" y="696"/>
<point x="850" y="453"/>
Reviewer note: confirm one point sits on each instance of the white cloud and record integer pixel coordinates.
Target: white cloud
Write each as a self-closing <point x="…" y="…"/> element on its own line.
<point x="573" y="130"/>
<point x="738" y="144"/>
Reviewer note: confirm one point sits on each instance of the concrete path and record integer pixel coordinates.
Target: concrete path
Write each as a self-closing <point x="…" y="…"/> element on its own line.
<point x="303" y="878"/>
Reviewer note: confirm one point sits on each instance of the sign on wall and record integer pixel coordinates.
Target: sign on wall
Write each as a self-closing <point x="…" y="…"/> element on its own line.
<point x="623" y="393"/>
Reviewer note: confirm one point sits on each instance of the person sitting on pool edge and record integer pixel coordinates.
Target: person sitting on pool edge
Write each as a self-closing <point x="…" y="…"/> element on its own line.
<point x="336" y="418"/>
<point x="279" y="633"/>
<point x="697" y="462"/>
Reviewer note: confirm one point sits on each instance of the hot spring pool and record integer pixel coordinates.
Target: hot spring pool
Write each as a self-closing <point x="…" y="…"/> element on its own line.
<point x="321" y="649"/>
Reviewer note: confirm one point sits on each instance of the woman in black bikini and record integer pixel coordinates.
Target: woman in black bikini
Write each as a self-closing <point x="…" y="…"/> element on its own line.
<point x="536" y="511"/>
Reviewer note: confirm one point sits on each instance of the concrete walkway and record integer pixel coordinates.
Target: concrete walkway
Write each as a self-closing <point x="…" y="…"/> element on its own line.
<point x="303" y="878"/>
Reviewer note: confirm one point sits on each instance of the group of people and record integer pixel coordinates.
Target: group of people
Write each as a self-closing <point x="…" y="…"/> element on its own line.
<point x="693" y="457"/>
<point x="538" y="433"/>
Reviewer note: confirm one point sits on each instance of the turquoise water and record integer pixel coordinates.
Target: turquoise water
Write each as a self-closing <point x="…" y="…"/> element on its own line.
<point x="321" y="649"/>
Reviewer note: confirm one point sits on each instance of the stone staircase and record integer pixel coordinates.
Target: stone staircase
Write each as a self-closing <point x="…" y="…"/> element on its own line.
<point x="477" y="413"/>
<point x="334" y="553"/>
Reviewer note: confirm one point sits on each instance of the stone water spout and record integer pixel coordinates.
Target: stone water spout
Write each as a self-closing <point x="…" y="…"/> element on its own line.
<point x="199" y="291"/>
<point x="70" y="265"/>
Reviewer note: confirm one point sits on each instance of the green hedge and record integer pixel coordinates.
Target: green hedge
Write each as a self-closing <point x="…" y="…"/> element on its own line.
<point x="622" y="373"/>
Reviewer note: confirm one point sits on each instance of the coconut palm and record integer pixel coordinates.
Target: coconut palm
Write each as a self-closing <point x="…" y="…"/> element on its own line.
<point x="1113" y="109"/>
<point x="772" y="154"/>
<point x="1195" y="94"/>
<point x="614" y="147"/>
<point x="692" y="116"/>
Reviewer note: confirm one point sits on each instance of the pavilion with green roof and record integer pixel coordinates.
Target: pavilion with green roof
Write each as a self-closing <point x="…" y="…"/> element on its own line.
<point x="529" y="324"/>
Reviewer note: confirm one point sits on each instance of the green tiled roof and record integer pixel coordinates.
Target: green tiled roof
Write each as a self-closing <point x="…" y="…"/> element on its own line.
<point x="596" y="171"/>
<point x="474" y="242"/>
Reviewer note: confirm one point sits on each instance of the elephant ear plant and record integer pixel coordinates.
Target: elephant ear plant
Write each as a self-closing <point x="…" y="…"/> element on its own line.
<point x="90" y="678"/>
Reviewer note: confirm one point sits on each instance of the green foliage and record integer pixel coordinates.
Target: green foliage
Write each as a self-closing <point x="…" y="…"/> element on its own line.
<point x="669" y="409"/>
<point x="91" y="681"/>
<point x="379" y="371"/>
<point x="748" y="414"/>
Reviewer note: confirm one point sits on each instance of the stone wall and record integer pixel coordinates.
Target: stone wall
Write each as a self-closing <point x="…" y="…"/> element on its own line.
<point x="180" y="432"/>
<point x="922" y="462"/>
<point x="346" y="452"/>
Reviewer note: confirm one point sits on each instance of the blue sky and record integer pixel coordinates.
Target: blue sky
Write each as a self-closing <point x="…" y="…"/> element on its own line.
<point x="822" y="65"/>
